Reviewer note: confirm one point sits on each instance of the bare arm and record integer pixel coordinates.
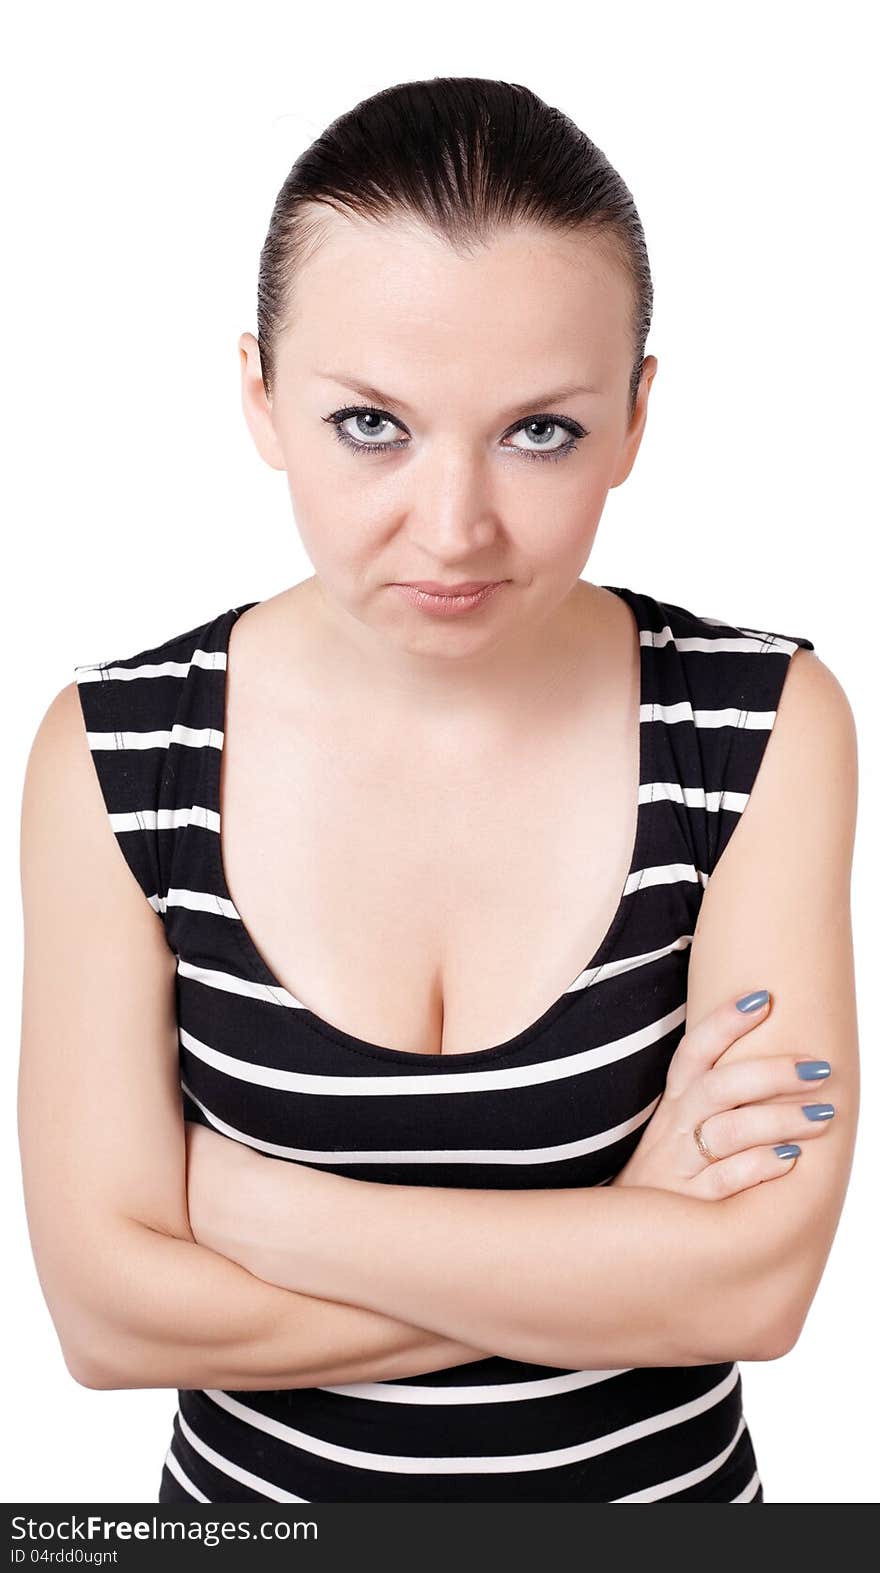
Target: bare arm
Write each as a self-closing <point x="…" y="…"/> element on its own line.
<point x="582" y="1279"/>
<point x="101" y="1134"/>
<point x="776" y="913"/>
<point x="166" y="1312"/>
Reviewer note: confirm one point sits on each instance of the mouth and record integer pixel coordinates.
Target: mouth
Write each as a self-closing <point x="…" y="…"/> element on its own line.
<point x="449" y="600"/>
<point x="433" y="587"/>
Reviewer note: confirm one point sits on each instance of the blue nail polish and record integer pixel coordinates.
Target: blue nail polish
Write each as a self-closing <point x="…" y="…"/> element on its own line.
<point x="813" y="1070"/>
<point x="753" y="1001"/>
<point x="818" y="1111"/>
<point x="788" y="1150"/>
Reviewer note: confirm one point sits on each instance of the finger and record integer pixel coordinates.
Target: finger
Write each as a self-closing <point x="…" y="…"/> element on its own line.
<point x="740" y="1172"/>
<point x="763" y="1125"/>
<point x="741" y="1082"/>
<point x="705" y="1041"/>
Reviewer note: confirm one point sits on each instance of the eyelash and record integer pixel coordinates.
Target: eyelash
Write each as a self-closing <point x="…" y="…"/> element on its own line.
<point x="338" y="416"/>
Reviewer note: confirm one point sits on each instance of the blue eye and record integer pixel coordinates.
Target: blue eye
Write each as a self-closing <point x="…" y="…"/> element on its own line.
<point x="360" y="413"/>
<point x="552" y="421"/>
<point x="381" y="418"/>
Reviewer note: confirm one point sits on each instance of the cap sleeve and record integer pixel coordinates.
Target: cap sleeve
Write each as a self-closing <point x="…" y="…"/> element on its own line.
<point x="129" y="708"/>
<point x="749" y="672"/>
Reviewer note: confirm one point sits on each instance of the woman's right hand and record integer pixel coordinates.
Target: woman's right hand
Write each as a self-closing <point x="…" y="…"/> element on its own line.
<point x="734" y="1104"/>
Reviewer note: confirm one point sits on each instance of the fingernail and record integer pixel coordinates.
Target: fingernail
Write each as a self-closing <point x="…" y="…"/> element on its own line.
<point x="818" y="1111"/>
<point x="753" y="1001"/>
<point x="788" y="1150"/>
<point x="813" y="1070"/>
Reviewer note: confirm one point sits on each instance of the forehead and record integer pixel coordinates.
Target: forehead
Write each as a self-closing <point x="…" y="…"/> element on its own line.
<point x="382" y="293"/>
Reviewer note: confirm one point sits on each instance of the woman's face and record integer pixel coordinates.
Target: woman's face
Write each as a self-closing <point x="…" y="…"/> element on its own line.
<point x="405" y="386"/>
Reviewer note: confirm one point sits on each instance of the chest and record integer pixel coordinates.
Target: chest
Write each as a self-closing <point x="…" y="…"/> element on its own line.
<point x="421" y="897"/>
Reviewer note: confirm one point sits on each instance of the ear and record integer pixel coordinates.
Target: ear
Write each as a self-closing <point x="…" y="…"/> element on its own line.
<point x="254" y="402"/>
<point x="633" y="437"/>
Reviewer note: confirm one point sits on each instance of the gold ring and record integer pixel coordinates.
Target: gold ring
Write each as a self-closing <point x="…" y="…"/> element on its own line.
<point x="698" y="1138"/>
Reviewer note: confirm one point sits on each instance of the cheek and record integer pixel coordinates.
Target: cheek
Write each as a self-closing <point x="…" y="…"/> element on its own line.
<point x="345" y="551"/>
<point x="561" y="531"/>
<point x="342" y="519"/>
<point x="330" y="523"/>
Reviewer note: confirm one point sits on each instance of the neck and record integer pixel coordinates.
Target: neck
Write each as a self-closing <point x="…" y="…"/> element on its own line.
<point x="490" y="688"/>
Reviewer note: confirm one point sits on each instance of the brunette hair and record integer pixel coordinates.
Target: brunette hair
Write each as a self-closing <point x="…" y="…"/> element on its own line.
<point x="462" y="156"/>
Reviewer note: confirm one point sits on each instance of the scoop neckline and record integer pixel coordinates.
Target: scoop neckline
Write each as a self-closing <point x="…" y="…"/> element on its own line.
<point x="256" y="962"/>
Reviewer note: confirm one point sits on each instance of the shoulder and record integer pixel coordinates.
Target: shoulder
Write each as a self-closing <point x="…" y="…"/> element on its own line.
<point x="171" y="657"/>
<point x="102" y="744"/>
<point x="803" y="798"/>
<point x="128" y="701"/>
<point x="705" y="631"/>
<point x="811" y="769"/>
<point x="814" y="702"/>
<point x="754" y="669"/>
<point x="760" y="722"/>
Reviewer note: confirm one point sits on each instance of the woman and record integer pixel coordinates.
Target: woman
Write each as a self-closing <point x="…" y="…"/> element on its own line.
<point x="453" y="1208"/>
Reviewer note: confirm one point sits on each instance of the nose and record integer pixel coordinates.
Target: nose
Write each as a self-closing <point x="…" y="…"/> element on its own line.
<point x="451" y="508"/>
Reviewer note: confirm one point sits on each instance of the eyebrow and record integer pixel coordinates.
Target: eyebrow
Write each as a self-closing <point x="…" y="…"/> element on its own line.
<point x="367" y="391"/>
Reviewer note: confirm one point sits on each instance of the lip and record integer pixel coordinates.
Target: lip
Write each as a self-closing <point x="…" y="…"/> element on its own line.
<point x="433" y="587"/>
<point x="449" y="601"/>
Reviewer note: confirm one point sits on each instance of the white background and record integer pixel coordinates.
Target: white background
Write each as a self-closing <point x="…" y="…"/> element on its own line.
<point x="143" y="149"/>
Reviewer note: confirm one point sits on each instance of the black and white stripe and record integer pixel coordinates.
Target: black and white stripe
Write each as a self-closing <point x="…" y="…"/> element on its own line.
<point x="562" y="1103"/>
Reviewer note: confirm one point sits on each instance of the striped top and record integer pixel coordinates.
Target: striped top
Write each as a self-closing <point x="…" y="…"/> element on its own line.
<point x="563" y="1103"/>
